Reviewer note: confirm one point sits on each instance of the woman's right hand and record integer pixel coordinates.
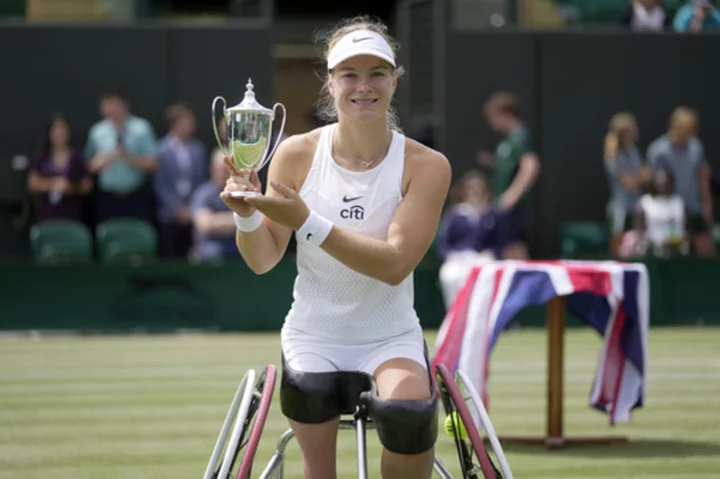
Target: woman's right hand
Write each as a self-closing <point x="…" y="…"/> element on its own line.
<point x="611" y="147"/>
<point x="245" y="180"/>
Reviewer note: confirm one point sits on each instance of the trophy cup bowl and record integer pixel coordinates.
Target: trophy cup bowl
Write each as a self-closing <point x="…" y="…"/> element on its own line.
<point x="249" y="133"/>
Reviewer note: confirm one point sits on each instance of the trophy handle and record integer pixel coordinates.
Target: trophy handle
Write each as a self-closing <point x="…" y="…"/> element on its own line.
<point x="217" y="136"/>
<point x="277" y="141"/>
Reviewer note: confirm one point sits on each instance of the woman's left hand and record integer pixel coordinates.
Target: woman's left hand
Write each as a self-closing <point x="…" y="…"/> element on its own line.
<point x="288" y="209"/>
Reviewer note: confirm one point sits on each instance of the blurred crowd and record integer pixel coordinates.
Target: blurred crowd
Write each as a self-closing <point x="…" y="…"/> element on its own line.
<point x="490" y="206"/>
<point x="125" y="171"/>
<point x="660" y="202"/>
<point x="652" y="15"/>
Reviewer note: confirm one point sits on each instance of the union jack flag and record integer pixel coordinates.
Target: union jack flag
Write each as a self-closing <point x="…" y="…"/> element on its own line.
<point x="611" y="297"/>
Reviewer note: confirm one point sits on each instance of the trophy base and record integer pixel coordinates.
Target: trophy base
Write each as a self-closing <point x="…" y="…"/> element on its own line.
<point x="241" y="194"/>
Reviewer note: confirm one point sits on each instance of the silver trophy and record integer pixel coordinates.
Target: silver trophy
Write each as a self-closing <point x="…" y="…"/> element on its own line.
<point x="249" y="131"/>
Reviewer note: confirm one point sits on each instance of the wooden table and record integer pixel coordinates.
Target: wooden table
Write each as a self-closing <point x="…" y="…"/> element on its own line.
<point x="554" y="437"/>
<point x="608" y="295"/>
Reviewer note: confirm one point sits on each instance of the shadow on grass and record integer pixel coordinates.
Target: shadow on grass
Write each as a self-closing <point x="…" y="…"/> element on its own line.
<point x="636" y="448"/>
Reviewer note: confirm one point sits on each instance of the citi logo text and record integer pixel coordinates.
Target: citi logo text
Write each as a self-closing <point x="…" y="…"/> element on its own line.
<point x="355" y="212"/>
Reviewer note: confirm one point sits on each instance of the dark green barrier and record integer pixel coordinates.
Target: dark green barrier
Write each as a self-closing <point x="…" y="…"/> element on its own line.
<point x="688" y="290"/>
<point x="170" y="296"/>
<point x="162" y="297"/>
<point x="158" y="297"/>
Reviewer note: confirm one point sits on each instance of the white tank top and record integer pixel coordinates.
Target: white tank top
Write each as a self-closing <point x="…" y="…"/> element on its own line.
<point x="330" y="299"/>
<point x="664" y="218"/>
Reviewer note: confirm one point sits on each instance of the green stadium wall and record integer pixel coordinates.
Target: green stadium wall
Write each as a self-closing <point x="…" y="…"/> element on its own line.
<point x="167" y="297"/>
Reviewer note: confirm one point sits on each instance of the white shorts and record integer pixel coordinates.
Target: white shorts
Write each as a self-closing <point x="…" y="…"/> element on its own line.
<point x="311" y="354"/>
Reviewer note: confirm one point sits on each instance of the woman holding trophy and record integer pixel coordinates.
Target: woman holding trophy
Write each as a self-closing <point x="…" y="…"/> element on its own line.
<point x="364" y="203"/>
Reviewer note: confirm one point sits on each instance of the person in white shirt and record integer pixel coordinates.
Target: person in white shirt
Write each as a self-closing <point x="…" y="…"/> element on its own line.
<point x="364" y="203"/>
<point x="661" y="219"/>
<point x="468" y="233"/>
<point x="646" y="16"/>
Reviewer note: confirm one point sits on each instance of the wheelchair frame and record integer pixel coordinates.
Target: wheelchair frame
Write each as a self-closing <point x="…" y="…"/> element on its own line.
<point x="253" y="398"/>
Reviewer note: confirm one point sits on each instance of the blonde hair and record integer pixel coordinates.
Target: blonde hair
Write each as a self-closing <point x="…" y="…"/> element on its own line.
<point x="621" y="127"/>
<point x="326" y="102"/>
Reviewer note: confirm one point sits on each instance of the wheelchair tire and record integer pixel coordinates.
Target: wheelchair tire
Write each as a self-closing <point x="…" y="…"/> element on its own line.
<point x="453" y="401"/>
<point x="465" y="384"/>
<point x="259" y="410"/>
<point x="220" y="463"/>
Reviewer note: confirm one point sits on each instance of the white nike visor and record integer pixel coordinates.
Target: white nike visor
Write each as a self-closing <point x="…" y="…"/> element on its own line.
<point x="360" y="42"/>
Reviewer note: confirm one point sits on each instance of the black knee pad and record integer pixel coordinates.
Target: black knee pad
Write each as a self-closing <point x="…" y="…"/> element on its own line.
<point x="404" y="426"/>
<point x="319" y="397"/>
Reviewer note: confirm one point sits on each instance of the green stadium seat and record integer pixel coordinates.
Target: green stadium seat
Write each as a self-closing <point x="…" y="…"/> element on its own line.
<point x="591" y="12"/>
<point x="126" y="240"/>
<point x="583" y="240"/>
<point x="60" y="241"/>
<point x="603" y="12"/>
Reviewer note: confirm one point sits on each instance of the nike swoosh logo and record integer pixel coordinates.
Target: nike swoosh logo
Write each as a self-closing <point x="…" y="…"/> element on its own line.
<point x="355" y="40"/>
<point x="348" y="200"/>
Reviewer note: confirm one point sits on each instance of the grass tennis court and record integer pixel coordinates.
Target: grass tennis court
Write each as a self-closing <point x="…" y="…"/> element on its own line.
<point x="150" y="407"/>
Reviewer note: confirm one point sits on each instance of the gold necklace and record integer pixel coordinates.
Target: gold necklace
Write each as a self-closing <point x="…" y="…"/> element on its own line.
<point x="367" y="164"/>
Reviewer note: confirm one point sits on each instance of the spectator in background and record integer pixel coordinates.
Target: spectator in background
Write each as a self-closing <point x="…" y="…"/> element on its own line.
<point x="682" y="153"/>
<point x="466" y="233"/>
<point x="626" y="175"/>
<point x="58" y="178"/>
<point x="182" y="168"/>
<point x="660" y="220"/>
<point x="515" y="170"/>
<point x="121" y="151"/>
<point x="645" y="15"/>
<point x="214" y="226"/>
<point x="697" y="16"/>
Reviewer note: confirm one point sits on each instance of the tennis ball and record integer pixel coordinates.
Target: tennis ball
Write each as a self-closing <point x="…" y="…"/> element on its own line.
<point x="459" y="426"/>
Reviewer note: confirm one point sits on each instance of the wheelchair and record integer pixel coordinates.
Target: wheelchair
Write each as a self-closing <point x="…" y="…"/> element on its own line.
<point x="234" y="452"/>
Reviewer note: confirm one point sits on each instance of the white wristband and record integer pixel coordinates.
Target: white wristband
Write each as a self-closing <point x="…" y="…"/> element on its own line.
<point x="251" y="223"/>
<point x="315" y="229"/>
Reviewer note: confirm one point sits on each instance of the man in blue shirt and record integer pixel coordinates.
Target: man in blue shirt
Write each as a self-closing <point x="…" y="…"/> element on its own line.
<point x="214" y="226"/>
<point x="182" y="168"/>
<point x="697" y="16"/>
<point x="121" y="151"/>
<point x="681" y="152"/>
